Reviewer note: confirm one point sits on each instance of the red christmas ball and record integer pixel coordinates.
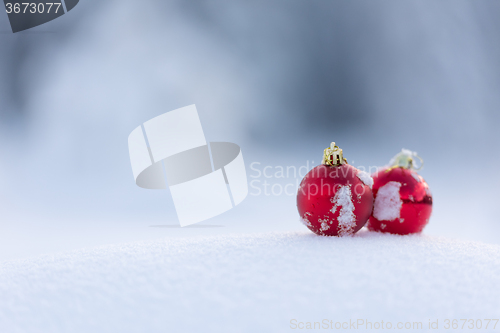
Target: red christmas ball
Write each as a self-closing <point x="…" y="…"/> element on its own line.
<point x="335" y="199"/>
<point x="403" y="201"/>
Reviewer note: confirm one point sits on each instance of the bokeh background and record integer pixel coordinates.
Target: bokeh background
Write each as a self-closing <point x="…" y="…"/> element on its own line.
<point x="282" y="78"/>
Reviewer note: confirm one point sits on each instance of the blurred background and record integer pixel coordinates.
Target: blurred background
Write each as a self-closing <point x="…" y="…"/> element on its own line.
<point x="282" y="78"/>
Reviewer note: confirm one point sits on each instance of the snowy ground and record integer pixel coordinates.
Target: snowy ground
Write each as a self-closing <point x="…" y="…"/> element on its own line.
<point x="251" y="283"/>
<point x="131" y="268"/>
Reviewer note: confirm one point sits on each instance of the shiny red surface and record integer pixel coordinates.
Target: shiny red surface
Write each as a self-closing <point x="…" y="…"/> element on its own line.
<point x="314" y="198"/>
<point x="417" y="202"/>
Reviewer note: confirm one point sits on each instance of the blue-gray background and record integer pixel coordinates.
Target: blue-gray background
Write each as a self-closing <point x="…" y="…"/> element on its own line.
<point x="280" y="78"/>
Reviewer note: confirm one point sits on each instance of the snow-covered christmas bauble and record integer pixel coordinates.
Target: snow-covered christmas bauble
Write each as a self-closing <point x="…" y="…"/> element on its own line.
<point x="403" y="201"/>
<point x="335" y="198"/>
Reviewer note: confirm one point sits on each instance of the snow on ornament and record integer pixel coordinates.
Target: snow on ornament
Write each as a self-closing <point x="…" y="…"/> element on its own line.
<point x="403" y="200"/>
<point x="335" y="198"/>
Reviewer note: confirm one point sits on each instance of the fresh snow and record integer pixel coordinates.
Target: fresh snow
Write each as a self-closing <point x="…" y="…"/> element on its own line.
<point x="346" y="219"/>
<point x="324" y="223"/>
<point x="250" y="283"/>
<point x="387" y="206"/>
<point x="365" y="178"/>
<point x="305" y="219"/>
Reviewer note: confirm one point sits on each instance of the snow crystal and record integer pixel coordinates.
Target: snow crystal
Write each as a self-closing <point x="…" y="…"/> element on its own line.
<point x="365" y="178"/>
<point x="346" y="219"/>
<point x="388" y="202"/>
<point x="416" y="176"/>
<point x="305" y="219"/>
<point x="324" y="223"/>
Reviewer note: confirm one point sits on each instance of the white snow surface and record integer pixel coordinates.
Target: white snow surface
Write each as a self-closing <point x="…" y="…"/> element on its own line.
<point x="365" y="178"/>
<point x="346" y="218"/>
<point x="250" y="283"/>
<point x="388" y="203"/>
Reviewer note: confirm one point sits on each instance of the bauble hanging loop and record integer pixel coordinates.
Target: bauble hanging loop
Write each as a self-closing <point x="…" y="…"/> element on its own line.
<point x="333" y="156"/>
<point x="405" y="159"/>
